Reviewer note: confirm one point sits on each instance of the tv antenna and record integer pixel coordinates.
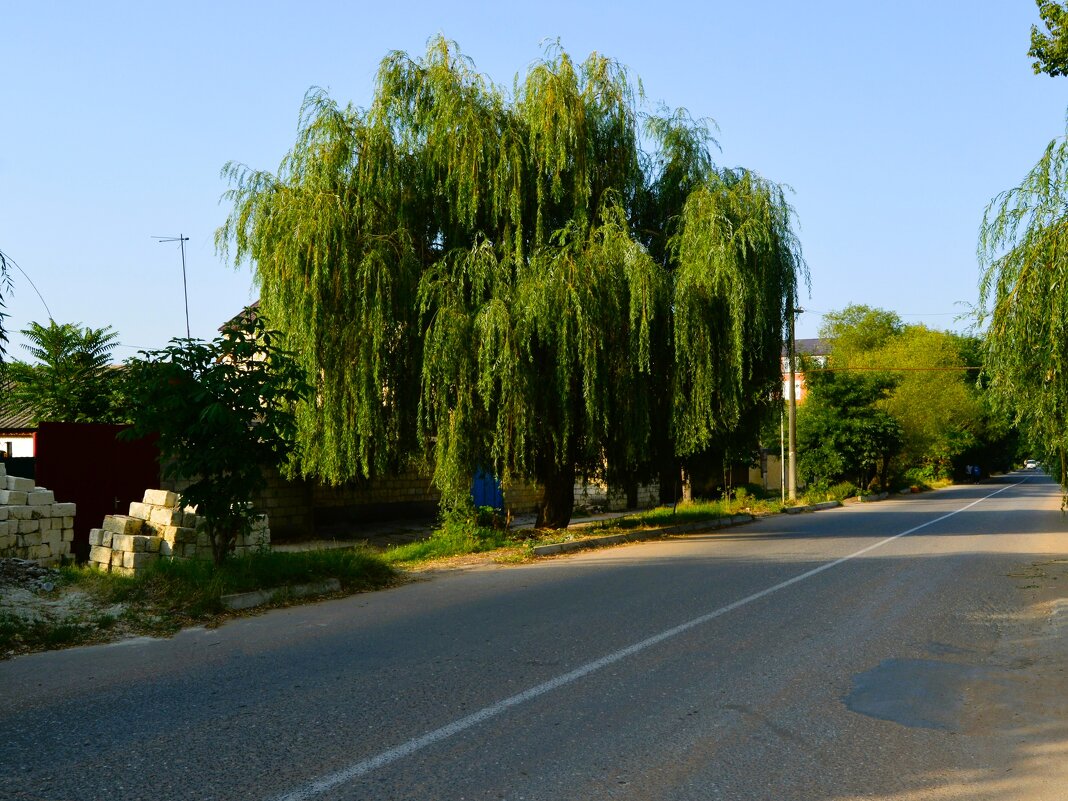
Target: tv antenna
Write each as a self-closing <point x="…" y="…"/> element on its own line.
<point x="181" y="240"/>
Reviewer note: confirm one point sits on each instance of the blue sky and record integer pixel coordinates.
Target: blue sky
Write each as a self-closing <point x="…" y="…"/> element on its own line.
<point x="894" y="124"/>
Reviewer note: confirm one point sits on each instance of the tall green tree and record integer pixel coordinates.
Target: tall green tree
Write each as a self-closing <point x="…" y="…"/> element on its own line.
<point x="934" y="396"/>
<point x="508" y="280"/>
<point x="71" y="380"/>
<point x="1049" y="49"/>
<point x="842" y="434"/>
<point x="1023" y="250"/>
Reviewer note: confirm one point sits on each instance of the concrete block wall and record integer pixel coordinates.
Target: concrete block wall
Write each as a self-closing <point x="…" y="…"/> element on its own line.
<point x="595" y="494"/>
<point x="32" y="525"/>
<point x="158" y="528"/>
<point x="522" y="498"/>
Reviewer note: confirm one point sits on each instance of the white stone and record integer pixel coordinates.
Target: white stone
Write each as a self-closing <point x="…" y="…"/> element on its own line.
<point x="19" y="484"/>
<point x="158" y="497"/>
<point x="40" y="497"/>
<point x="140" y="510"/>
<point x="65" y="510"/>
<point x="164" y="516"/>
<point x="122" y="542"/>
<point x="13" y="497"/>
<point x="122" y="524"/>
<point x="98" y="553"/>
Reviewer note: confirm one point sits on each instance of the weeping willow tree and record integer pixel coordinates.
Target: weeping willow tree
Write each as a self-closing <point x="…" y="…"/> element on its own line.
<point x="1023" y="248"/>
<point x="509" y="281"/>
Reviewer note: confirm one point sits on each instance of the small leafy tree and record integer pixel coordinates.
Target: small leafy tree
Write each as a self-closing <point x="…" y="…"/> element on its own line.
<point x="223" y="411"/>
<point x="841" y="433"/>
<point x="72" y="380"/>
<point x="1050" y="50"/>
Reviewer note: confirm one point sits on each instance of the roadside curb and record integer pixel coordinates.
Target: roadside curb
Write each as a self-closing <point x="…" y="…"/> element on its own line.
<point x="813" y="507"/>
<point x="639" y="536"/>
<point x="687" y="528"/>
<point x="247" y="600"/>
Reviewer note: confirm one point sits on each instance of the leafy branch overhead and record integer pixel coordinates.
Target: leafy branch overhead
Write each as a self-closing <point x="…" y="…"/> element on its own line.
<point x="510" y="280"/>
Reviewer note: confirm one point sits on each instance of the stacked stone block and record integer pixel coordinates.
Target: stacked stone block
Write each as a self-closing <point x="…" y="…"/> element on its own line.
<point x="32" y="525"/>
<point x="158" y="528"/>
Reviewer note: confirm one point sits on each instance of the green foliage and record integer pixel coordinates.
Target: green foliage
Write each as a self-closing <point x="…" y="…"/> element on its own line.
<point x="454" y="538"/>
<point x="510" y="281"/>
<point x="1022" y="248"/>
<point x="944" y="414"/>
<point x="223" y="411"/>
<point x="857" y="330"/>
<point x="1050" y="50"/>
<point x="841" y="432"/>
<point x="72" y="380"/>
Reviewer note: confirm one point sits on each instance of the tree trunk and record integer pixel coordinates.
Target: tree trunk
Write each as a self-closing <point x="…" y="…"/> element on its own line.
<point x="630" y="486"/>
<point x="669" y="482"/>
<point x="558" y="501"/>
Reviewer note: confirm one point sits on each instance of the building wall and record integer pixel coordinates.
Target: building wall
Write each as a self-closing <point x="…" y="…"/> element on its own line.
<point x="17" y="445"/>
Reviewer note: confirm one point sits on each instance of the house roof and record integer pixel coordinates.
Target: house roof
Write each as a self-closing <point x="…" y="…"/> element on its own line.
<point x="810" y="347"/>
<point x="11" y="421"/>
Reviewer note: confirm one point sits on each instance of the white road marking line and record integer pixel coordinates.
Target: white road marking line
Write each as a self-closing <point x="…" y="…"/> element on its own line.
<point x="364" y="767"/>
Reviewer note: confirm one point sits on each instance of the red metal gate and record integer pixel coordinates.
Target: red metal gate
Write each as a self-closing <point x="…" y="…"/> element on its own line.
<point x="86" y="464"/>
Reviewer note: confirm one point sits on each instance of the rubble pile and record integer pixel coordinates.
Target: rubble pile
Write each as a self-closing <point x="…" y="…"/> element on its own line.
<point x="32" y="525"/>
<point x="157" y="527"/>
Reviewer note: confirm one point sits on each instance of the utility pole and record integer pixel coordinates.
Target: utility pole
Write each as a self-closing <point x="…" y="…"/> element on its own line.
<point x="181" y="240"/>
<point x="791" y="410"/>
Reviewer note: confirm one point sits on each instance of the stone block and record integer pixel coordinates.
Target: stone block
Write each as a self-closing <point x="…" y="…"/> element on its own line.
<point x="100" y="554"/>
<point x="116" y="558"/>
<point x="122" y="542"/>
<point x="67" y="534"/>
<point x="165" y="516"/>
<point x="6" y="541"/>
<point x="13" y="497"/>
<point x="22" y="512"/>
<point x="3" y="470"/>
<point x="96" y="537"/>
<point x="122" y="524"/>
<point x="138" y="560"/>
<point x="40" y="497"/>
<point x="4" y="513"/>
<point x="152" y="544"/>
<point x="68" y="522"/>
<point x="18" y="484"/>
<point x="140" y="510"/>
<point x="65" y="510"/>
<point x="165" y="548"/>
<point x="203" y="540"/>
<point x="29" y="527"/>
<point x="190" y="551"/>
<point x="157" y="497"/>
<point x="122" y="571"/>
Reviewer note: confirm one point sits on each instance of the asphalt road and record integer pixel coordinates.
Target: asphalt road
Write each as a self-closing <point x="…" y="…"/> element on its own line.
<point x="909" y="649"/>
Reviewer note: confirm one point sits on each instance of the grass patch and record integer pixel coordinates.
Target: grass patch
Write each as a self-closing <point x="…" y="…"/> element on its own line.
<point x="91" y="606"/>
<point x="18" y="634"/>
<point x="452" y="539"/>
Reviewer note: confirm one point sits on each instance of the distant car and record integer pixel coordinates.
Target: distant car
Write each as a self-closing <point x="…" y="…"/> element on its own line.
<point x="1030" y="464"/>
